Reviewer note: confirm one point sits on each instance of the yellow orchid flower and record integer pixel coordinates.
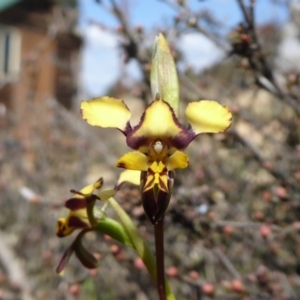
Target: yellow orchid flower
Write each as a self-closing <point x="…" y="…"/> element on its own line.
<point x="159" y="139"/>
<point x="78" y="215"/>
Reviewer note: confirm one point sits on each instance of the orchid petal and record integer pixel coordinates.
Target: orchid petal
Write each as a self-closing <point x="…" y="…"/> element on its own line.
<point x="106" y="194"/>
<point x="106" y="112"/>
<point x="150" y="182"/>
<point x="76" y="204"/>
<point x="66" y="226"/>
<point x="60" y="269"/>
<point x="84" y="256"/>
<point x="178" y="160"/>
<point x="158" y="123"/>
<point x="208" y="116"/>
<point x="131" y="176"/>
<point x="87" y="190"/>
<point x="133" y="161"/>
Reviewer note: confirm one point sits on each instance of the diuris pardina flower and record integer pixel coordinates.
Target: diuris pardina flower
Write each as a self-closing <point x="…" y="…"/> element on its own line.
<point x="158" y="140"/>
<point x="82" y="215"/>
<point x="78" y="205"/>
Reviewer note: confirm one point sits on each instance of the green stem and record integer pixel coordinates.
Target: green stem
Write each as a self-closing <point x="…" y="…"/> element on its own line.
<point x="114" y="229"/>
<point x="139" y="244"/>
<point x="160" y="262"/>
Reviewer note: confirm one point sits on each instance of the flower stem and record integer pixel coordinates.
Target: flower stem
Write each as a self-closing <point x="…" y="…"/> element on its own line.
<point x="160" y="262"/>
<point x="140" y="245"/>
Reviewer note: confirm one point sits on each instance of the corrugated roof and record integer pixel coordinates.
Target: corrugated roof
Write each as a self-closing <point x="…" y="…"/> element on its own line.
<point x="4" y="4"/>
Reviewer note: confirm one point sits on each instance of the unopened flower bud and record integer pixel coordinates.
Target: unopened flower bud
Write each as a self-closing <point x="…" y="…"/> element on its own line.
<point x="164" y="80"/>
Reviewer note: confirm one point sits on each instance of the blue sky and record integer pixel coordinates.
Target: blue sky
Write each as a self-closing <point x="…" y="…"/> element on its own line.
<point x="151" y="12"/>
<point x="102" y="60"/>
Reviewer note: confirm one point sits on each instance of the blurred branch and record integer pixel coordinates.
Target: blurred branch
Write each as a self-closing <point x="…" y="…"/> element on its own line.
<point x="192" y="21"/>
<point x="246" y="225"/>
<point x="279" y="174"/>
<point x="264" y="74"/>
<point x="13" y="266"/>
<point x="227" y="263"/>
<point x="132" y="42"/>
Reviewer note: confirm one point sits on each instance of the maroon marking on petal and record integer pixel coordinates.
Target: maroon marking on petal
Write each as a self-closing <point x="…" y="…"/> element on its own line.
<point x="137" y="142"/>
<point x="192" y="134"/>
<point x="164" y="171"/>
<point x="229" y="124"/>
<point x="77" y="222"/>
<point x="127" y="129"/>
<point x="162" y="186"/>
<point x="149" y="184"/>
<point x="100" y="181"/>
<point x="121" y="165"/>
<point x="76" y="203"/>
<point x="182" y="140"/>
<point x="61" y="232"/>
<point x="76" y="192"/>
<point x="60" y="229"/>
<point x="150" y="172"/>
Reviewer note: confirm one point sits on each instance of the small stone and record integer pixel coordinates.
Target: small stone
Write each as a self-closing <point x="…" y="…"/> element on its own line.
<point x="265" y="231"/>
<point x="172" y="271"/>
<point x="208" y="289"/>
<point x="238" y="286"/>
<point x="139" y="264"/>
<point x="74" y="289"/>
<point x="194" y="275"/>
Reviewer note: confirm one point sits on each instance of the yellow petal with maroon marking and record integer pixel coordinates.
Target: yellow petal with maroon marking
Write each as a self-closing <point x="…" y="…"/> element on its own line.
<point x="150" y="182"/>
<point x="157" y="175"/>
<point x="208" y="116"/>
<point x="62" y="228"/>
<point x="65" y="226"/>
<point x="178" y="160"/>
<point x="98" y="184"/>
<point x="157" y="123"/>
<point x="163" y="182"/>
<point x="106" y="112"/>
<point x="133" y="161"/>
<point x="87" y="190"/>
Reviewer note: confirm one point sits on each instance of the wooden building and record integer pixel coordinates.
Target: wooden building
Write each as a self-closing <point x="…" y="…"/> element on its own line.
<point x="39" y="56"/>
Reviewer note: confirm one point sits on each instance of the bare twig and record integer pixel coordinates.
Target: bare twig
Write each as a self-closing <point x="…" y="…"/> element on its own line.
<point x="13" y="266"/>
<point x="192" y="21"/>
<point x="227" y="263"/>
